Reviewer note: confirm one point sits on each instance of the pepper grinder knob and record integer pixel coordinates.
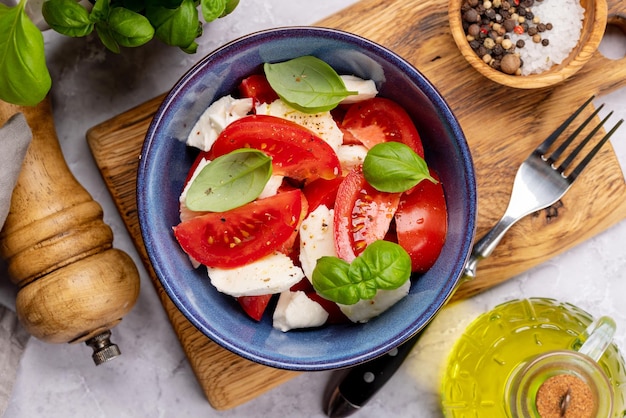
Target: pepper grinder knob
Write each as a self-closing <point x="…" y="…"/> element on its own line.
<point x="103" y="349"/>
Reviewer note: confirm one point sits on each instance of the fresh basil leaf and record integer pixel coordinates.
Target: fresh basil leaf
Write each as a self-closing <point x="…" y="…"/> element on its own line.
<point x="25" y="79"/>
<point x="230" y="7"/>
<point x="382" y="265"/>
<point x="100" y="11"/>
<point x="212" y="9"/>
<point x="394" y="167"/>
<point x="192" y="48"/>
<point x="307" y="84"/>
<point x="128" y="28"/>
<point x="230" y="181"/>
<point x="67" y="17"/>
<point x="331" y="280"/>
<point x="176" y="27"/>
<point x="106" y="37"/>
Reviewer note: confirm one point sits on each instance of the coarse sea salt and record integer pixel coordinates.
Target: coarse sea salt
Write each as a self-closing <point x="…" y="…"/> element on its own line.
<point x="566" y="17"/>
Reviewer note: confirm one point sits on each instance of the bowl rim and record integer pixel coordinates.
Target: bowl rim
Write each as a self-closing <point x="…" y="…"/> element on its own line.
<point x="413" y="326"/>
<point x="590" y="43"/>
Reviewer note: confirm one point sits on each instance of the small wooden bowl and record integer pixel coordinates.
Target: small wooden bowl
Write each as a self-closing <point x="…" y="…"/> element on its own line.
<point x="594" y="25"/>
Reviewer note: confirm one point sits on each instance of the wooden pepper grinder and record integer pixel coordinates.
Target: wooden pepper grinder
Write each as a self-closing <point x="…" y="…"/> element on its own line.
<point x="73" y="285"/>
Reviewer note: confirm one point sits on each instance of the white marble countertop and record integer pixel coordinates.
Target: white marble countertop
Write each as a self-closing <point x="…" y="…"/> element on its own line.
<point x="153" y="377"/>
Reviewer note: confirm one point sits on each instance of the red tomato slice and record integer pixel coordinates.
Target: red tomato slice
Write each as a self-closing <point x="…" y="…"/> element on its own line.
<point x="380" y="120"/>
<point x="254" y="306"/>
<point x="296" y="152"/>
<point x="362" y="215"/>
<point x="244" y="234"/>
<point x="422" y="223"/>
<point x="257" y="88"/>
<point x="322" y="192"/>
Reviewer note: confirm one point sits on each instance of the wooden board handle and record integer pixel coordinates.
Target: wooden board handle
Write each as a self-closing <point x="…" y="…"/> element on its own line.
<point x="73" y="285"/>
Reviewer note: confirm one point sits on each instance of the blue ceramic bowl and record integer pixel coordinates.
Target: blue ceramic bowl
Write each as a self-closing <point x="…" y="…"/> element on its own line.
<point x="165" y="161"/>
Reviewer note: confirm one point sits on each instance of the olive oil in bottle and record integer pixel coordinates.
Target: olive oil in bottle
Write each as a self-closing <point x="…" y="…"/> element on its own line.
<point x="494" y="346"/>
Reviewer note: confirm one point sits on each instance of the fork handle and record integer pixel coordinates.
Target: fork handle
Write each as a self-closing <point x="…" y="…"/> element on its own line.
<point x="485" y="246"/>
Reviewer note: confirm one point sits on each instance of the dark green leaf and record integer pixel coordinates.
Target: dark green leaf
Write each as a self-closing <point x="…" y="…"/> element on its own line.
<point x="106" y="36"/>
<point x="135" y="5"/>
<point x="307" y="84"/>
<point x="382" y="265"/>
<point x="67" y="17"/>
<point x="177" y="27"/>
<point x="100" y="11"/>
<point x="128" y="28"/>
<point x="230" y="181"/>
<point x="231" y="5"/>
<point x="170" y="4"/>
<point x="212" y="9"/>
<point x="191" y="48"/>
<point x="330" y="279"/>
<point x="25" y="79"/>
<point x="394" y="167"/>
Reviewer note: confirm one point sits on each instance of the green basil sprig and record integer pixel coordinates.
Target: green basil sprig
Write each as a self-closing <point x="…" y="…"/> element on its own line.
<point x="119" y="23"/>
<point x="176" y="26"/>
<point x="25" y="79"/>
<point x="394" y="167"/>
<point x="307" y="84"/>
<point x="382" y="265"/>
<point x="128" y="23"/>
<point x="229" y="181"/>
<point x="116" y="26"/>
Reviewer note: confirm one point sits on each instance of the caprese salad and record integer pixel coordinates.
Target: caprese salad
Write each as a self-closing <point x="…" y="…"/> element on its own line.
<point x="311" y="191"/>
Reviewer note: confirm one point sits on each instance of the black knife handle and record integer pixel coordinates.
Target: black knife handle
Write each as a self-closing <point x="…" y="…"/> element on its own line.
<point x="363" y="381"/>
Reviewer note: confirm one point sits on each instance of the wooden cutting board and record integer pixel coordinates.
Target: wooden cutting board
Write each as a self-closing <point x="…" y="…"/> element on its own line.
<point x="502" y="125"/>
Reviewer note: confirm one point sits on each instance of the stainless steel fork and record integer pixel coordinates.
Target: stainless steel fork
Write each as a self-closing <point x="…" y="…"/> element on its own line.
<point x="540" y="182"/>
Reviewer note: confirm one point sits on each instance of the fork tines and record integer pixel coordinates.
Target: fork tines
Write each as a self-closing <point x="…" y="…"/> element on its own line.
<point x="543" y="148"/>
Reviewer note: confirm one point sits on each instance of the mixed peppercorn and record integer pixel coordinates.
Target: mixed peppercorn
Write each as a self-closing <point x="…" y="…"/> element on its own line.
<point x="489" y="23"/>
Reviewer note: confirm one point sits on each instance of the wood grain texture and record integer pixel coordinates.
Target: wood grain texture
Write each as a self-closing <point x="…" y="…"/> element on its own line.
<point x="73" y="285"/>
<point x="501" y="124"/>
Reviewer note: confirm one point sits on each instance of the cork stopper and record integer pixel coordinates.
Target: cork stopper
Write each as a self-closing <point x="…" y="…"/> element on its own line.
<point x="565" y="396"/>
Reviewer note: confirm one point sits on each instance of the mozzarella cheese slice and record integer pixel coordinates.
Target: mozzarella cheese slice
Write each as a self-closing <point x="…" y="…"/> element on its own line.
<point x="296" y="310"/>
<point x="366" y="89"/>
<point x="215" y="118"/>
<point x="351" y="156"/>
<point x="272" y="274"/>
<point x="272" y="186"/>
<point x="364" y="310"/>
<point x="316" y="238"/>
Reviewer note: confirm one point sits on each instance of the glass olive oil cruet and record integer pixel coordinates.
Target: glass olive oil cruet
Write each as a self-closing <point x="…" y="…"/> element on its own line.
<point x="535" y="358"/>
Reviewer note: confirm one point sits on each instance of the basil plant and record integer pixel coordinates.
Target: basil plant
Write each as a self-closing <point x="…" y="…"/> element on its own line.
<point x="117" y="23"/>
